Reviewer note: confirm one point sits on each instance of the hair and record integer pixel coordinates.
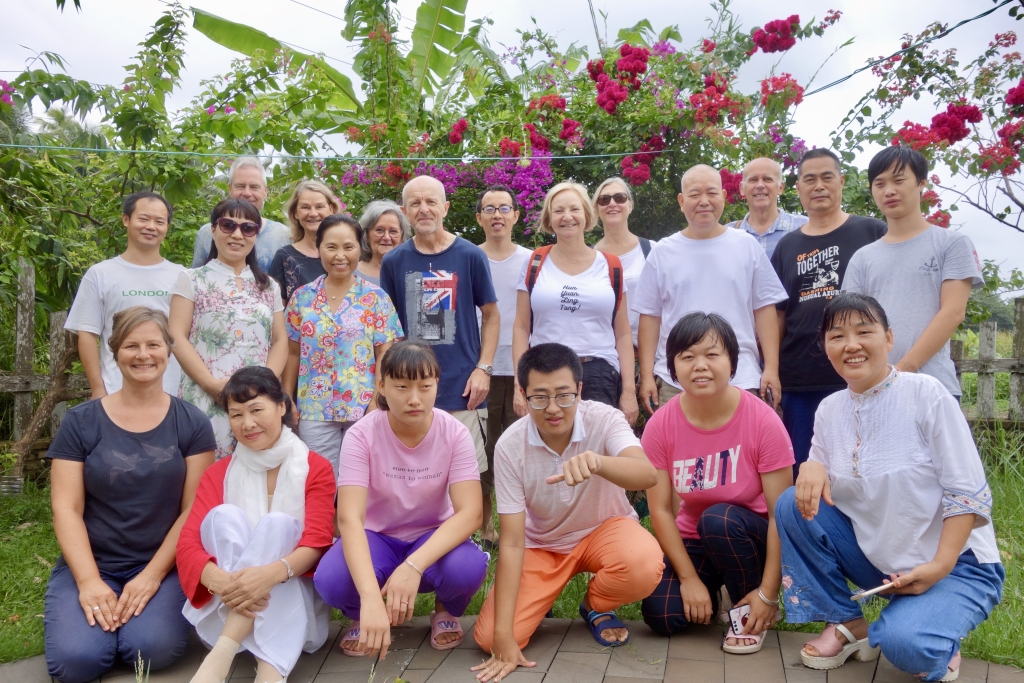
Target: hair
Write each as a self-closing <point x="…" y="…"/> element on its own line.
<point x="250" y="382"/>
<point x="239" y="207"/>
<point x="339" y="219"/>
<point x="692" y="329"/>
<point x="898" y="158"/>
<point x="128" y="207"/>
<point x="497" y="187"/>
<point x="246" y="162"/>
<point x="819" y="153"/>
<point x="605" y="183"/>
<point x="548" y="358"/>
<point x="127" y="320"/>
<point x="407" y="360"/>
<point x="843" y="305"/>
<point x="372" y="214"/>
<point x="291" y="207"/>
<point x="590" y="216"/>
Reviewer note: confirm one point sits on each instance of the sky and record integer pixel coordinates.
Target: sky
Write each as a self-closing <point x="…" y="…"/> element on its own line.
<point x="97" y="42"/>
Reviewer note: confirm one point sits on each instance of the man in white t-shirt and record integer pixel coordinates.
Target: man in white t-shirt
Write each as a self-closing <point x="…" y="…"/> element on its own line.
<point x="708" y="267"/>
<point x="138" y="277"/>
<point x="497" y="212"/>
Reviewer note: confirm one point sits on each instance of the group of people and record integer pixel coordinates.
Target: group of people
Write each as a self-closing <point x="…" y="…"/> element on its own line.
<point x="328" y="416"/>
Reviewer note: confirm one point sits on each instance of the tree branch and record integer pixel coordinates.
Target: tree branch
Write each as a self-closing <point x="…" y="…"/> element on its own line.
<point x="1008" y="190"/>
<point x="983" y="208"/>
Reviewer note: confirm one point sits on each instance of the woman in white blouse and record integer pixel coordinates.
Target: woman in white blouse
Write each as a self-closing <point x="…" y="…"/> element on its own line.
<point x="894" y="493"/>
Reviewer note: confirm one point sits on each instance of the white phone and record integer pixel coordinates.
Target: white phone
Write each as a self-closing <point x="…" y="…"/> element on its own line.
<point x="738" y="617"/>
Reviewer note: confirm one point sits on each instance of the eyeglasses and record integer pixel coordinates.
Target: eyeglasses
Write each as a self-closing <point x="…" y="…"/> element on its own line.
<point x="504" y="208"/>
<point x="380" y="232"/>
<point x="228" y="227"/>
<point x="618" y="198"/>
<point x="540" y="401"/>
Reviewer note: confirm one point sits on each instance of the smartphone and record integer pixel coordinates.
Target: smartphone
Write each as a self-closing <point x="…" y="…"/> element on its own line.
<point x="768" y="397"/>
<point x="738" y="617"/>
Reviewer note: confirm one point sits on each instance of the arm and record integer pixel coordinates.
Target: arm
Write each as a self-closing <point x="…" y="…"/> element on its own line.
<point x="630" y="469"/>
<point x="955" y="532"/>
<point x="647" y="344"/>
<point x="290" y="376"/>
<point x="766" y="324"/>
<point x="180" y="322"/>
<point x="624" y="349"/>
<point x="479" y="382"/>
<point x="952" y="309"/>
<point x="781" y="313"/>
<point x="762" y="614"/>
<point x="520" y="344"/>
<point x="278" y="355"/>
<point x="89" y="353"/>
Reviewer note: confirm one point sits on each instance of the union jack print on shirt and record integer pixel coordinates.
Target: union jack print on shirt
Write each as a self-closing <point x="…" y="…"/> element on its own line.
<point x="439" y="288"/>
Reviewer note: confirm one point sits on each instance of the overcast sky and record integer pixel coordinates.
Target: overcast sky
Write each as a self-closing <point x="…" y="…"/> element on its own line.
<point x="100" y="40"/>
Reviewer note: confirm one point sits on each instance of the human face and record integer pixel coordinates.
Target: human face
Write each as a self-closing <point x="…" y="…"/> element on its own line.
<point x="232" y="249"/>
<point x="568" y="217"/>
<point x="424" y="205"/>
<point x="385" y="235"/>
<point x="147" y="226"/>
<point x="410" y="401"/>
<point x="702" y="200"/>
<point x="820" y="186"/>
<point x="553" y="422"/>
<point x="761" y="184"/>
<point x="256" y="423"/>
<point x="859" y="351"/>
<point x="704" y="369"/>
<point x="497" y="225"/>
<point x="339" y="251"/>
<point x="311" y="208"/>
<point x="144" y="354"/>
<point x="614" y="213"/>
<point x="897" y="194"/>
<point x="247" y="183"/>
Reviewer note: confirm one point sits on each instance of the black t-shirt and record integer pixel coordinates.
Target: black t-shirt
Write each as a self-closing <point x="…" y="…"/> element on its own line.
<point x="811" y="269"/>
<point x="133" y="481"/>
<point x="292" y="269"/>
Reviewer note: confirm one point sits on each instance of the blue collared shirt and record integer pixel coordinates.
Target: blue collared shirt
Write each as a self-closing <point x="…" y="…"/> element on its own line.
<point x="272" y="236"/>
<point x="786" y="222"/>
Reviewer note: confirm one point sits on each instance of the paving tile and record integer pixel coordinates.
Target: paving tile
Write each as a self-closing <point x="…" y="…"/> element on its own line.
<point x="642" y="657"/>
<point x="309" y="664"/>
<point x="338" y="662"/>
<point x="455" y="667"/>
<point x="416" y="676"/>
<point x="243" y="669"/>
<point x="411" y="635"/>
<point x="397" y="661"/>
<point x="578" y="667"/>
<point x="578" y="639"/>
<point x="344" y="677"/>
<point x="764" y="667"/>
<point x="806" y="676"/>
<point x="31" y="670"/>
<point x="854" y="671"/>
<point x="694" y="671"/>
<point x="997" y="673"/>
<point x="429" y="658"/>
<point x="771" y="639"/>
<point x="973" y="671"/>
<point x="885" y="672"/>
<point x="703" y="643"/>
<point x="468" y="642"/>
<point x="791" y="643"/>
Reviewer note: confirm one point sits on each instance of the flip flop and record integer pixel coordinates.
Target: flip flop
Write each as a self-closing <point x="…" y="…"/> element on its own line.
<point x="442" y="622"/>
<point x="832" y="654"/>
<point x="351" y="634"/>
<point x="742" y="649"/>
<point x="595" y="629"/>
<point x="488" y="546"/>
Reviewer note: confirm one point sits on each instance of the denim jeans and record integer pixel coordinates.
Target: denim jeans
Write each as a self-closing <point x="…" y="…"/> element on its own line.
<point x="601" y="382"/>
<point x="798" y="408"/>
<point x="77" y="652"/>
<point x="919" y="634"/>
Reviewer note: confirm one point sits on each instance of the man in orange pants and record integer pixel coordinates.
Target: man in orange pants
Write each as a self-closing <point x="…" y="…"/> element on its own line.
<point x="560" y="475"/>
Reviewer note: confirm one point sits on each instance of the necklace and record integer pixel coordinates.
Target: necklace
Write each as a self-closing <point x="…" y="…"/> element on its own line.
<point x="578" y="256"/>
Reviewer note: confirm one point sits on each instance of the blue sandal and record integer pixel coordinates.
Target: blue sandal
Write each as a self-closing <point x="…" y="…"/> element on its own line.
<point x="595" y="629"/>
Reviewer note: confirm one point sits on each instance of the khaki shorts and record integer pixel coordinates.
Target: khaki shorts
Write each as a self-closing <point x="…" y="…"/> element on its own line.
<point x="476" y="422"/>
<point x="666" y="392"/>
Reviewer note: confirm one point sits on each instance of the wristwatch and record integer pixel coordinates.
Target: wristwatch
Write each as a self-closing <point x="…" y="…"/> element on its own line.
<point x="489" y="369"/>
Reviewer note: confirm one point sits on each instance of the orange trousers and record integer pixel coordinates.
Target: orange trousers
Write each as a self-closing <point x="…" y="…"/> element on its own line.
<point x="626" y="561"/>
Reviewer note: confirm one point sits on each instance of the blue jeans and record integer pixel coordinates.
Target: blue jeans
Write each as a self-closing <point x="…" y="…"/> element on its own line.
<point x="798" y="408"/>
<point x="77" y="652"/>
<point x="919" y="634"/>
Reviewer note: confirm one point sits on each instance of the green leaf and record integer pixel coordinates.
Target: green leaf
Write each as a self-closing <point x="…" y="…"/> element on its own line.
<point x="639" y="34"/>
<point x="671" y="33"/>
<point x="866" y="111"/>
<point x="435" y="38"/>
<point x="882" y="93"/>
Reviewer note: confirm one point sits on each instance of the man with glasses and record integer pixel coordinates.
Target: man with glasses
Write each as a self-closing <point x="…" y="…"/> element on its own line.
<point x="247" y="180"/>
<point x="765" y="221"/>
<point x="560" y="475"/>
<point x="497" y="212"/>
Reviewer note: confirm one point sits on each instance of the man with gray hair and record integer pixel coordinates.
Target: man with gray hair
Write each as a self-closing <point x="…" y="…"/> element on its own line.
<point x="247" y="180"/>
<point x="762" y="184"/>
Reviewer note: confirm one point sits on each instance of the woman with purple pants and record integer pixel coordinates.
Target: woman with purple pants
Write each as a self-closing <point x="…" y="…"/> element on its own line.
<point x="408" y="500"/>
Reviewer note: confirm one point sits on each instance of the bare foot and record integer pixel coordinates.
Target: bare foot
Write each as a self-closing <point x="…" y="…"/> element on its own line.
<point x="858" y="627"/>
<point x="351" y="645"/>
<point x="737" y="641"/>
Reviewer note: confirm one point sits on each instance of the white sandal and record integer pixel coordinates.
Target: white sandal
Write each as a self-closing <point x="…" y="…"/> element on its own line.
<point x="742" y="649"/>
<point x="827" y="642"/>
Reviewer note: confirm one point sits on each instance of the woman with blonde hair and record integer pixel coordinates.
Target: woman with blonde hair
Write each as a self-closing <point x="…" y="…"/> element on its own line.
<point x="384" y="228"/>
<point x="571" y="287"/>
<point x="299" y="263"/>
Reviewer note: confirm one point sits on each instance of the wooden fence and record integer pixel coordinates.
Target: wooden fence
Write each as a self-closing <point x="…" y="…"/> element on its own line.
<point x="987" y="365"/>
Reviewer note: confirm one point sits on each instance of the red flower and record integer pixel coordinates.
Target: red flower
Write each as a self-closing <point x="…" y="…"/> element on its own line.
<point x="650" y="150"/>
<point x="709" y="46"/>
<point x="568" y="129"/>
<point x="538" y="143"/>
<point x="731" y="184"/>
<point x="1008" y="39"/>
<point x="378" y="131"/>
<point x="353" y="134"/>
<point x="930" y="198"/>
<point x="776" y="36"/>
<point x="950" y="125"/>
<point x="999" y="158"/>
<point x="710" y="103"/>
<point x="940" y="218"/>
<point x="635" y="171"/>
<point x="718" y="81"/>
<point x="784" y="84"/>
<point x="509" y="148"/>
<point x="1015" y="99"/>
<point x="632" y="63"/>
<point x="610" y="93"/>
<point x="595" y="68"/>
<point x="552" y="102"/>
<point x="1012" y="135"/>
<point x="915" y="135"/>
<point x="455" y="136"/>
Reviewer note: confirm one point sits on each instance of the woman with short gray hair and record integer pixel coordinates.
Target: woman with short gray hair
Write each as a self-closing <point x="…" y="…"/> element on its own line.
<point x="384" y="228"/>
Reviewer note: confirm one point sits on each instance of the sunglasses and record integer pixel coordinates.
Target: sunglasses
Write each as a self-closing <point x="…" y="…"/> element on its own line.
<point x="228" y="227"/>
<point x="618" y="198"/>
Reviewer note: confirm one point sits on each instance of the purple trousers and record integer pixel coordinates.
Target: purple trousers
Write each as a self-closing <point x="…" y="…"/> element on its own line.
<point x="455" y="578"/>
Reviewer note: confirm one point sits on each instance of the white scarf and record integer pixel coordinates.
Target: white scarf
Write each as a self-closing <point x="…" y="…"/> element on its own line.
<point x="245" y="483"/>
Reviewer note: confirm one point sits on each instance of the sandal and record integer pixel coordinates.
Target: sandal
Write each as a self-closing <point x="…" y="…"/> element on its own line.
<point x="352" y="634"/>
<point x="595" y="629"/>
<point x="833" y="654"/>
<point x="442" y="622"/>
<point x="952" y="670"/>
<point x="742" y="649"/>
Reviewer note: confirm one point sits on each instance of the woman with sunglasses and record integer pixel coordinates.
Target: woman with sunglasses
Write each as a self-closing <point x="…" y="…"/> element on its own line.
<point x="226" y="315"/>
<point x="298" y="263"/>
<point x="384" y="228"/>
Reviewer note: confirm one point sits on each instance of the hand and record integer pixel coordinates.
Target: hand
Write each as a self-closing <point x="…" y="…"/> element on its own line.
<point x="399" y="593"/>
<point x="216" y="579"/>
<point x="812" y="485"/>
<point x="628" y="406"/>
<point x="519" y="404"/>
<point x="374" y="628"/>
<point x="696" y="601"/>
<point x="477" y="387"/>
<point x="648" y="394"/>
<point x="578" y="469"/>
<point x="770" y="380"/>
<point x="505" y="657"/>
<point x="762" y="615"/>
<point x="135" y="596"/>
<point x="96" y="593"/>
<point x="215" y="387"/>
<point x="917" y="580"/>
<point x="251" y="584"/>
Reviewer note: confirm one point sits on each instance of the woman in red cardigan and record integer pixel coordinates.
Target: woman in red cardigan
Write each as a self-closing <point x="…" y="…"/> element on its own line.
<point x="259" y="524"/>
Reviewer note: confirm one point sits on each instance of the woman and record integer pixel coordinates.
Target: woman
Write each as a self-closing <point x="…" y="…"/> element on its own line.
<point x="261" y="520"/>
<point x="226" y="315"/>
<point x="338" y="326"/>
<point x="727" y="455"/>
<point x="384" y="228"/>
<point x="298" y="263"/>
<point x="907" y="506"/>
<point x="123" y="474"/>
<point x="567" y="294"/>
<point x="408" y="500"/>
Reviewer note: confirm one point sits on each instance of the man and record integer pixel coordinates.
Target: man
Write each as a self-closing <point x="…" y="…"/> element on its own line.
<point x="138" y="277"/>
<point x="247" y="180"/>
<point x="811" y="262"/>
<point x="560" y="475"/>
<point x="708" y="267"/>
<point x="437" y="280"/>
<point x="497" y="212"/>
<point x="762" y="184"/>
<point x="921" y="274"/>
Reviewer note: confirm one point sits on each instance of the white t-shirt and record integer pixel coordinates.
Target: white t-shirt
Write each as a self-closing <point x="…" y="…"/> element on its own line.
<point x="575" y="310"/>
<point x="632" y="265"/>
<point x="114" y="285"/>
<point x="505" y="276"/>
<point x="729" y="275"/>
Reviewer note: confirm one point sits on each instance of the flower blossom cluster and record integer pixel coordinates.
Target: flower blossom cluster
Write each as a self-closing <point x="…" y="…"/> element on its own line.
<point x="631" y="63"/>
<point x="1015" y="99"/>
<point x="636" y="168"/>
<point x="663" y="48"/>
<point x="551" y="102"/>
<point x="930" y="198"/>
<point x="5" y="92"/>
<point x="831" y="17"/>
<point x="455" y="136"/>
<point x="777" y="35"/>
<point x="947" y="127"/>
<point x="212" y="109"/>
<point x="509" y="147"/>
<point x="940" y="218"/>
<point x="1008" y="39"/>
<point x="710" y="103"/>
<point x="528" y="178"/>
<point x="785" y="85"/>
<point x="572" y="134"/>
<point x="419" y="145"/>
<point x="708" y="46"/>
<point x="452" y="176"/>
<point x="731" y="184"/>
<point x="538" y="143"/>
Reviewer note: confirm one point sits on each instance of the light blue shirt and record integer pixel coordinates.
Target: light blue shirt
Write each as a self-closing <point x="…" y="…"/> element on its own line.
<point x="272" y="236"/>
<point x="786" y="222"/>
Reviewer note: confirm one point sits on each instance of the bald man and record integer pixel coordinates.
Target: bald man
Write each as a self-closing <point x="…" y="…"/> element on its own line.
<point x="711" y="268"/>
<point x="762" y="184"/>
<point x="437" y="281"/>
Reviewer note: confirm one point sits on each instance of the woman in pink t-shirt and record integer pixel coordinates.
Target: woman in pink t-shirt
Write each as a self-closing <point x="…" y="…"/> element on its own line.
<point x="408" y="500"/>
<point x="728" y="457"/>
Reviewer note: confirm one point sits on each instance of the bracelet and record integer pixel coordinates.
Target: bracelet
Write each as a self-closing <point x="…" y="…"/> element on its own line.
<point x="288" y="567"/>
<point x="774" y="603"/>
<point x="409" y="562"/>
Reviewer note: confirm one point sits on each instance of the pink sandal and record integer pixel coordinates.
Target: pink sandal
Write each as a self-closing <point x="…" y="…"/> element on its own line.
<point x="351" y="635"/>
<point x="952" y="670"/>
<point x="742" y="649"/>
<point x="442" y="622"/>
<point x="833" y="654"/>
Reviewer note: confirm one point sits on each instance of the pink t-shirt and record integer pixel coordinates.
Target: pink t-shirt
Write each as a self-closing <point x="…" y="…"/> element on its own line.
<point x="407" y="488"/>
<point x="720" y="465"/>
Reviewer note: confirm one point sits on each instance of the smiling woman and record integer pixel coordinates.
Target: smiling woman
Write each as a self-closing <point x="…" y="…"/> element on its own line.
<point x="299" y="263"/>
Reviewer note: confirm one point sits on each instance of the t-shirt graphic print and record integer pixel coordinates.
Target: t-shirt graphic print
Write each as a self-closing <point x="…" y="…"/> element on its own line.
<point x="706" y="472"/>
<point x="430" y="298"/>
<point x="819" y="273"/>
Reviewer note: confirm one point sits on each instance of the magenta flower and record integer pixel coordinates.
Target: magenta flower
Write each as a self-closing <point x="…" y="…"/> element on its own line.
<point x="228" y="109"/>
<point x="211" y="110"/>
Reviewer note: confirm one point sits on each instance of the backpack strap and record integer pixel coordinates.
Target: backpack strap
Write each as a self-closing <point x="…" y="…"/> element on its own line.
<point x="616" y="277"/>
<point x="537" y="259"/>
<point x="645" y="246"/>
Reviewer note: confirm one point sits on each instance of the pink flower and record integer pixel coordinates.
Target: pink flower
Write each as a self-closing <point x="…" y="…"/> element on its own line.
<point x="940" y="218"/>
<point x="127" y="88"/>
<point x="1015" y="99"/>
<point x="731" y="184"/>
<point x="776" y="36"/>
<point x="228" y="109"/>
<point x="784" y="84"/>
<point x="509" y="148"/>
<point x="211" y="110"/>
<point x="708" y="46"/>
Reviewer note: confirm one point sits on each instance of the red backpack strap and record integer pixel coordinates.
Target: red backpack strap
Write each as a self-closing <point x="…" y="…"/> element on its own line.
<point x="616" y="277"/>
<point x="537" y="259"/>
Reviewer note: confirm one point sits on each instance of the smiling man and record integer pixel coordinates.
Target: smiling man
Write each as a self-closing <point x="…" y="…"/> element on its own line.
<point x="762" y="184"/>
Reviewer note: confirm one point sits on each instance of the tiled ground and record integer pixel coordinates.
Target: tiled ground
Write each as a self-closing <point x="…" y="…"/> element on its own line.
<point x="565" y="653"/>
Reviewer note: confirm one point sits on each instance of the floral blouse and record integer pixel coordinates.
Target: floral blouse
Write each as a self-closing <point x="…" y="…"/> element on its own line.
<point x="336" y="362"/>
